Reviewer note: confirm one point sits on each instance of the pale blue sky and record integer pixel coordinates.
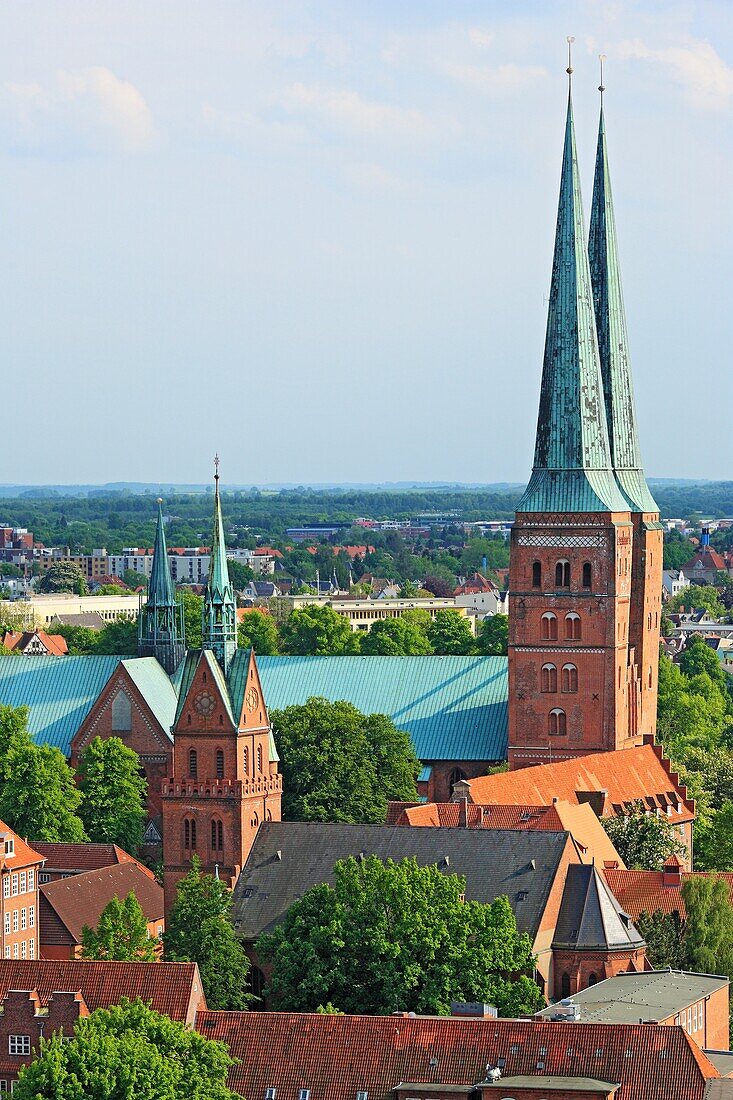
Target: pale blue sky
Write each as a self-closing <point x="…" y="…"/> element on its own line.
<point x="317" y="236"/>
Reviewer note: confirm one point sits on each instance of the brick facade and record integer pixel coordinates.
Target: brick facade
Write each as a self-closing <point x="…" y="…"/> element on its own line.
<point x="19" y="881"/>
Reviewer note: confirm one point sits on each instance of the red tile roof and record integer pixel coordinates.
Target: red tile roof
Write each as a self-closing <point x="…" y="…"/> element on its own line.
<point x="450" y="815"/>
<point x="627" y="775"/>
<point x="77" y="858"/>
<point x="707" y="559"/>
<point x="473" y="584"/>
<point x="169" y="987"/>
<point x="336" y="1056"/>
<point x="69" y="903"/>
<point x="19" y="639"/>
<point x="644" y="891"/>
<point x="23" y="855"/>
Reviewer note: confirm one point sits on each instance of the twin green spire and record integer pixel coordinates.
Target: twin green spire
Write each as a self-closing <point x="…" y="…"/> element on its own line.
<point x="160" y="622"/>
<point x="586" y="452"/>
<point x="220" y="606"/>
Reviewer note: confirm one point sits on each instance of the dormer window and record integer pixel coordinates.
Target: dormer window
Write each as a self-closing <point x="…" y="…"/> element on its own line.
<point x="10" y="846"/>
<point x="270" y="1094"/>
<point x="304" y="1094"/>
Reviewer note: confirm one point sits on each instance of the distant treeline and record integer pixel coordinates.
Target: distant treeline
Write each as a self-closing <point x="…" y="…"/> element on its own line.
<point x="117" y="519"/>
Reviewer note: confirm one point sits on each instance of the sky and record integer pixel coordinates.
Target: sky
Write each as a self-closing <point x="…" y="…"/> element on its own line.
<point x="316" y="237"/>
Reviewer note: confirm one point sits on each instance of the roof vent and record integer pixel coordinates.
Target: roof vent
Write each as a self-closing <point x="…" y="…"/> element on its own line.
<point x="279" y="855"/>
<point x="433" y="1062"/>
<point x="362" y="1094"/>
<point x="270" y="1094"/>
<point x="493" y="1073"/>
<point x="445" y="861"/>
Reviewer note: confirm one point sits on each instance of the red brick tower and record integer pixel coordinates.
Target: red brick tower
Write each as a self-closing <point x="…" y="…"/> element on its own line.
<point x="583" y="603"/>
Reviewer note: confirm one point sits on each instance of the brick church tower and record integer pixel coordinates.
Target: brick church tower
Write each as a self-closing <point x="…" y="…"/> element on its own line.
<point x="224" y="780"/>
<point x="585" y="568"/>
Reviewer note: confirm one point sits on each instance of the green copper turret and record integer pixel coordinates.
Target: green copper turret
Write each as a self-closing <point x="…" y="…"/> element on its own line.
<point x="220" y="607"/>
<point x="612" y="339"/>
<point x="160" y="622"/>
<point x="572" y="464"/>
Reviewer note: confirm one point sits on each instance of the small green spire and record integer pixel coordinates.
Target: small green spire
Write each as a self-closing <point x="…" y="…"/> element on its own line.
<point x="612" y="339"/>
<point x="572" y="463"/>
<point x="160" y="622"/>
<point x="220" y="607"/>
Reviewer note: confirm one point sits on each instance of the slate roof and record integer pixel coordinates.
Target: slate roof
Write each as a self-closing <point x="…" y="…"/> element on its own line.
<point x="336" y="1056"/>
<point x="454" y="708"/>
<point x="59" y="691"/>
<point x="494" y="863"/>
<point x="590" y="917"/>
<point x="651" y="995"/>
<point x="169" y="986"/>
<point x="69" y="903"/>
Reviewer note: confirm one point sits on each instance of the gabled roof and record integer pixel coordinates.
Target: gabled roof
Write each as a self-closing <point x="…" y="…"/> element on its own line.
<point x="337" y="1056"/>
<point x="519" y="864"/>
<point x="59" y="692"/>
<point x="590" y="918"/>
<point x="78" y="858"/>
<point x="645" y="891"/>
<point x="23" y="855"/>
<point x="55" y="644"/>
<point x="170" y="987"/>
<point x="454" y="708"/>
<point x="608" y="780"/>
<point x="154" y="684"/>
<point x="69" y="903"/>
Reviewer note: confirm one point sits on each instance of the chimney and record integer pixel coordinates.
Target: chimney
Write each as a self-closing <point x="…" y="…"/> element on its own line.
<point x="672" y="872"/>
<point x="463" y="813"/>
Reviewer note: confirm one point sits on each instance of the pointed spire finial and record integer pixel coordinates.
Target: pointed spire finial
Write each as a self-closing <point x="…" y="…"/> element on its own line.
<point x="601" y="86"/>
<point x="159" y="500"/>
<point x="216" y="467"/>
<point x="569" y="69"/>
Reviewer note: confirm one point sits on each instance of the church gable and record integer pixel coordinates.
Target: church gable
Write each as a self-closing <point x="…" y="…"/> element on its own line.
<point x="247" y="695"/>
<point x="204" y="704"/>
<point x="121" y="710"/>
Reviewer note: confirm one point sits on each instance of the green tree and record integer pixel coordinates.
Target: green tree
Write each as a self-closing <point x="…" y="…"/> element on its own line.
<point x="79" y="639"/>
<point x="113" y="810"/>
<point x="714" y="840"/>
<point x="691" y="711"/>
<point x="708" y="929"/>
<point x="663" y="933"/>
<point x="341" y="765"/>
<point x="39" y="798"/>
<point x="697" y="596"/>
<point x="240" y="575"/>
<point x="318" y="630"/>
<point x="64" y="576"/>
<point x="396" y="936"/>
<point x="122" y="933"/>
<point x="134" y="580"/>
<point x="493" y="637"/>
<point x="644" y="841"/>
<point x="13" y="737"/>
<point x="697" y="658"/>
<point x="258" y="631"/>
<point x="397" y="638"/>
<point x="193" y="608"/>
<point x="127" y="1051"/>
<point x="118" y="638"/>
<point x="450" y="633"/>
<point x="199" y="929"/>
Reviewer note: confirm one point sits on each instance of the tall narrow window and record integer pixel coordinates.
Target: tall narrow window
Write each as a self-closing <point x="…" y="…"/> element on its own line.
<point x="193" y="835"/>
<point x="565" y="985"/>
<point x="569" y="678"/>
<point x="217" y="835"/>
<point x="548" y="678"/>
<point x="220" y="834"/>
<point x="536" y="574"/>
<point x="219" y="763"/>
<point x="193" y="763"/>
<point x="245" y="760"/>
<point x="562" y="574"/>
<point x="259" y="758"/>
<point x="549" y="627"/>
<point x="587" y="574"/>
<point x="556" y="723"/>
<point x="121" y="713"/>
<point x="572" y="627"/>
<point x="189" y="834"/>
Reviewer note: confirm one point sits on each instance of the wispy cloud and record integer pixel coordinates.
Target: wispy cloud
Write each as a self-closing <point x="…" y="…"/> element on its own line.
<point x="349" y="110"/>
<point x="90" y="109"/>
<point x="697" y="66"/>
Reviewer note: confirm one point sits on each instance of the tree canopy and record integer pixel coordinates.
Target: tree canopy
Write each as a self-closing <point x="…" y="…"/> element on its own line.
<point x="127" y="1051"/>
<point x="39" y="798"/>
<point x="399" y="637"/>
<point x="493" y="636"/>
<point x="341" y="765"/>
<point x="64" y="576"/>
<point x="258" y="631"/>
<point x="318" y="630"/>
<point x="113" y="809"/>
<point x="450" y="633"/>
<point x="697" y="596"/>
<point x="199" y="929"/>
<point x="121" y="934"/>
<point x="644" y="841"/>
<point x="396" y="936"/>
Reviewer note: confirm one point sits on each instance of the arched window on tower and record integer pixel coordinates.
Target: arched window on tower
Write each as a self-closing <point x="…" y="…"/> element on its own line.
<point x="565" y="985"/>
<point x="572" y="627"/>
<point x="536" y="574"/>
<point x="193" y="763"/>
<point x="549" y="627"/>
<point x="217" y="835"/>
<point x="548" y="678"/>
<point x="456" y="776"/>
<point x="219" y="763"/>
<point x="587" y="574"/>
<point x="556" y="723"/>
<point x="562" y="574"/>
<point x="569" y="678"/>
<point x="245" y="760"/>
<point x="592" y="979"/>
<point x="189" y="834"/>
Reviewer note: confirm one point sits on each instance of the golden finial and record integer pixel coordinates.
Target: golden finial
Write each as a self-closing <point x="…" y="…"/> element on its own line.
<point x="159" y="500"/>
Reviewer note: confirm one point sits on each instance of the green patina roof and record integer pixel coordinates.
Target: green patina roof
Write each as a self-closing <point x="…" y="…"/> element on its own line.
<point x="59" y="692"/>
<point x="612" y="338"/>
<point x="154" y="684"/>
<point x="454" y="708"/>
<point x="220" y="606"/>
<point x="572" y="463"/>
<point x="161" y="592"/>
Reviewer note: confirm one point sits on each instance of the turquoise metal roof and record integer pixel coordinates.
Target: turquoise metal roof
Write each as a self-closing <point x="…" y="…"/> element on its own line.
<point x="59" y="691"/>
<point x="612" y="338"/>
<point x="572" y="463"/>
<point x="454" y="708"/>
<point x="154" y="684"/>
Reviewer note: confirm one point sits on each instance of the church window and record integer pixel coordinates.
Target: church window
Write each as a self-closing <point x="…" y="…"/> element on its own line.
<point x="189" y="834"/>
<point x="536" y="574"/>
<point x="121" y="713"/>
<point x="219" y="763"/>
<point x="548" y="678"/>
<point x="650" y="675"/>
<point x="569" y="678"/>
<point x="586" y="574"/>
<point x="565" y="985"/>
<point x="456" y="776"/>
<point x="245" y="760"/>
<point x="556" y="723"/>
<point x="193" y="763"/>
<point x="649" y="621"/>
<point x="562" y="574"/>
<point x="217" y="835"/>
<point x="549" y="627"/>
<point x="572" y="627"/>
<point x="259" y="758"/>
<point x="254" y="821"/>
<point x="592" y="979"/>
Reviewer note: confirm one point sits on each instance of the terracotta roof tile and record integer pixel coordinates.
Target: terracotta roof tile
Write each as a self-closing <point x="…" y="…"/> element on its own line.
<point x="644" y="891"/>
<point x="77" y="858"/>
<point x="23" y="855"/>
<point x="80" y="899"/>
<point x="336" y="1056"/>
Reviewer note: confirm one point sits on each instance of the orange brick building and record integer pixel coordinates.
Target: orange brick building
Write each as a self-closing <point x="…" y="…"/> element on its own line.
<point x="19" y="870"/>
<point x="586" y="547"/>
